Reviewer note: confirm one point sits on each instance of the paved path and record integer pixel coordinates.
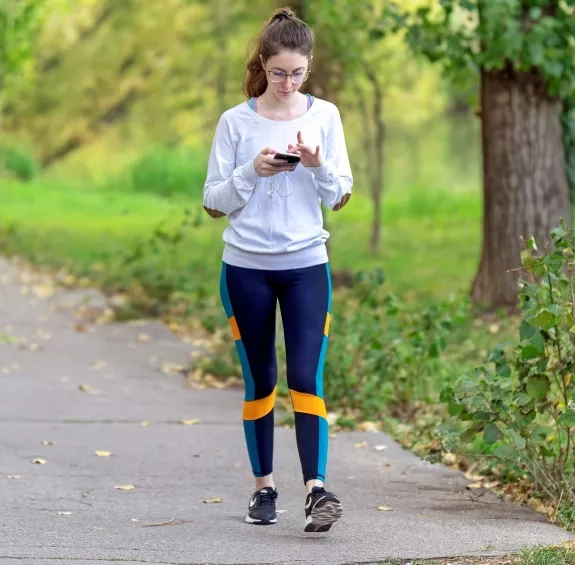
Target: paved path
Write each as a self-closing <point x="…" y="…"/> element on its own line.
<point x="68" y="511"/>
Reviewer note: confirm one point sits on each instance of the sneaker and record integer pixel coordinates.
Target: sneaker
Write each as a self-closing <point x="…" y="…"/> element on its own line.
<point x="322" y="509"/>
<point x="262" y="509"/>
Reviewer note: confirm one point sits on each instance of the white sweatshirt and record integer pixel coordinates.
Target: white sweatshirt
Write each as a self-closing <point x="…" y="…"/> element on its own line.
<point x="276" y="222"/>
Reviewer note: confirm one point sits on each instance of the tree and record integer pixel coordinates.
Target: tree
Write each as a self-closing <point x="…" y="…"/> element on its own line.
<point x="523" y="53"/>
<point x="19" y="22"/>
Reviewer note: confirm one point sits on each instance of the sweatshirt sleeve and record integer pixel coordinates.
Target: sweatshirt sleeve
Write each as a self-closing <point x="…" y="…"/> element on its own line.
<point x="227" y="188"/>
<point x="334" y="178"/>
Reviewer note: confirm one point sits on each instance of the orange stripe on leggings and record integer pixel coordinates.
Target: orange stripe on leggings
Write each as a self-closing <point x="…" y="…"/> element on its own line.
<point x="327" y="324"/>
<point x="308" y="403"/>
<point x="256" y="409"/>
<point x="235" y="329"/>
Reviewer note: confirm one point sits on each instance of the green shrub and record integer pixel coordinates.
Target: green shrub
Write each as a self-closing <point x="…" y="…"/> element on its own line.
<point x="385" y="358"/>
<point x="521" y="400"/>
<point x="168" y="171"/>
<point x="18" y="162"/>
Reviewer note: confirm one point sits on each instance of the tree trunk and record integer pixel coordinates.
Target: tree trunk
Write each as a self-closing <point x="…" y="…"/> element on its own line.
<point x="524" y="178"/>
<point x="377" y="167"/>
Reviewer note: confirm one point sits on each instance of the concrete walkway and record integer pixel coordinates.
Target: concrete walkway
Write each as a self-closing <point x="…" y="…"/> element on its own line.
<point x="90" y="391"/>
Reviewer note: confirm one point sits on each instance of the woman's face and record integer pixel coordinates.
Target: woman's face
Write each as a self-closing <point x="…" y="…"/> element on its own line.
<point x="285" y="73"/>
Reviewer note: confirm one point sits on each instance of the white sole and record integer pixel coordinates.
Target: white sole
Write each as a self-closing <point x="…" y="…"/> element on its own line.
<point x="259" y="522"/>
<point x="322" y="518"/>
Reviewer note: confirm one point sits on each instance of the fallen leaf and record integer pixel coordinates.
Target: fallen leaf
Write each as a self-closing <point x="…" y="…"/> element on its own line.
<point x="47" y="442"/>
<point x="143" y="337"/>
<point x="5" y="371"/>
<point x="145" y="423"/>
<point x="361" y="445"/>
<point x="213" y="500"/>
<point x="282" y="511"/>
<point x="14" y="476"/>
<point x="33" y="347"/>
<point x="172" y="369"/>
<point x="450" y="459"/>
<point x="79" y="327"/>
<point x="39" y="461"/>
<point x="196" y="455"/>
<point x="88" y="388"/>
<point x="125" y="487"/>
<point x="368" y="427"/>
<point x="189" y="422"/>
<point x="43" y="290"/>
<point x="380" y="447"/>
<point x="97" y="365"/>
<point x="492" y="484"/>
<point x="475" y="485"/>
<point x="332" y="436"/>
<point x="385" y="508"/>
<point x="64" y="513"/>
<point x="103" y="453"/>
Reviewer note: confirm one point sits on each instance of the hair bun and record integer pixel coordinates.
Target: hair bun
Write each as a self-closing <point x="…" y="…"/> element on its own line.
<point x="283" y="15"/>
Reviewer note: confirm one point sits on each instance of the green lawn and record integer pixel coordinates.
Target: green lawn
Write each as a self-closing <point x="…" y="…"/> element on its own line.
<point x="429" y="247"/>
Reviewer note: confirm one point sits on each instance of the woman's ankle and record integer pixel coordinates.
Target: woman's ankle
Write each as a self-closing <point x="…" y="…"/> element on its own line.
<point x="313" y="483"/>
<point x="265" y="482"/>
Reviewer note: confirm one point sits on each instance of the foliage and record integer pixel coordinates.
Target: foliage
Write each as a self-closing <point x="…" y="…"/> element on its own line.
<point x="522" y="401"/>
<point x="167" y="171"/>
<point x="464" y="36"/>
<point x="386" y="357"/>
<point x="19" y="22"/>
<point x="18" y="162"/>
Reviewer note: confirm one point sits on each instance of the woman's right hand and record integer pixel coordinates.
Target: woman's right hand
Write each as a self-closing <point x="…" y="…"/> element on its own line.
<point x="266" y="166"/>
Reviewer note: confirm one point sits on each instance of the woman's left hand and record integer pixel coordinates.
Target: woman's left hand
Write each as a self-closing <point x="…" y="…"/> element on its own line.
<point x="309" y="157"/>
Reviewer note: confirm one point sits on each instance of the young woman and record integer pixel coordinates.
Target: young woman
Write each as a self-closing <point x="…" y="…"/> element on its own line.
<point x="275" y="252"/>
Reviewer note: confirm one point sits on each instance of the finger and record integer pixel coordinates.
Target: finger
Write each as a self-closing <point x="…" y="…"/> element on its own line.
<point x="268" y="151"/>
<point x="317" y="152"/>
<point x="299" y="137"/>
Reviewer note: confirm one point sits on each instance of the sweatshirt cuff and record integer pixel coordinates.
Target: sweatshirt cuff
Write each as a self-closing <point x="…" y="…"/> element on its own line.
<point x="320" y="172"/>
<point x="248" y="173"/>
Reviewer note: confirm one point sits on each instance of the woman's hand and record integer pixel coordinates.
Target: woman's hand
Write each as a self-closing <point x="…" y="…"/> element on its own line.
<point x="309" y="157"/>
<point x="266" y="166"/>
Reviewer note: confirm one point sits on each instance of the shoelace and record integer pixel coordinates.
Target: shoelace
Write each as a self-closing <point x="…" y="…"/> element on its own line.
<point x="266" y="498"/>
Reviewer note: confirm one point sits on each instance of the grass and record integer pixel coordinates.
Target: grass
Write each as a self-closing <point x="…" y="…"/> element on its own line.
<point x="429" y="245"/>
<point x="557" y="555"/>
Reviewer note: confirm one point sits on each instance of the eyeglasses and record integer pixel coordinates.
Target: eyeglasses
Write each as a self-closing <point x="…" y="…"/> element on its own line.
<point x="297" y="77"/>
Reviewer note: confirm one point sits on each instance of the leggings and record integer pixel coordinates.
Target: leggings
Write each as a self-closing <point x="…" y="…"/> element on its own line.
<point x="249" y="298"/>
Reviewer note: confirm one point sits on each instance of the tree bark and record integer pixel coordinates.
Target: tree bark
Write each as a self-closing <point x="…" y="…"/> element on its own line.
<point x="524" y="178"/>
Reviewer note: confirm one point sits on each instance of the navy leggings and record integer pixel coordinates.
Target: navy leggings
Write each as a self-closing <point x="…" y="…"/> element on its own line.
<point x="250" y="297"/>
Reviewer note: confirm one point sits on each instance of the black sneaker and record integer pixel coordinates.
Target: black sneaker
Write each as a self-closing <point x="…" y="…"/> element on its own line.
<point x="262" y="509"/>
<point x="322" y="509"/>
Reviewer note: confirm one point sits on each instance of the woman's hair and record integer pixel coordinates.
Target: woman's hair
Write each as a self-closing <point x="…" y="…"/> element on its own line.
<point x="283" y="32"/>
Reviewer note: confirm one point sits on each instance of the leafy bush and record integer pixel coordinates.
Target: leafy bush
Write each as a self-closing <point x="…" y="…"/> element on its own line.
<point x="18" y="162"/>
<point x="168" y="171"/>
<point x="385" y="358"/>
<point x="521" y="400"/>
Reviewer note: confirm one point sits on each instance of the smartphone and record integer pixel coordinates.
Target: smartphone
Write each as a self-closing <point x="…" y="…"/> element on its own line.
<point x="289" y="157"/>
